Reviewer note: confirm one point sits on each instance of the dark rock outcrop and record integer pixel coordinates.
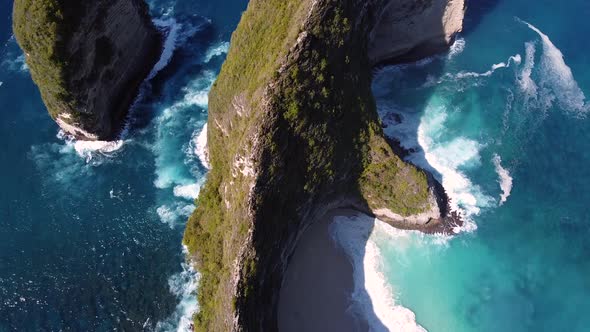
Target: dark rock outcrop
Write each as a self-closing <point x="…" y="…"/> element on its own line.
<point x="88" y="59"/>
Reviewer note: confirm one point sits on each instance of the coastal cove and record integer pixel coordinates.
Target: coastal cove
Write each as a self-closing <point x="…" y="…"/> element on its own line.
<point x="292" y="143"/>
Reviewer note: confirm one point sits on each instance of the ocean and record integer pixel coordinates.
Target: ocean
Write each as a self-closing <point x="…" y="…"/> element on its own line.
<point x="90" y="234"/>
<point x="502" y="121"/>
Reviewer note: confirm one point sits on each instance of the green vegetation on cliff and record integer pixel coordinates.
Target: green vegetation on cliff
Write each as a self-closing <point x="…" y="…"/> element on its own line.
<point x="38" y="26"/>
<point x="293" y="102"/>
<point x="88" y="59"/>
<point x="257" y="47"/>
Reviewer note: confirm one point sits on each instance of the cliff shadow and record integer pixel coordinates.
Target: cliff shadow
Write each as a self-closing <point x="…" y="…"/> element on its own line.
<point x="323" y="288"/>
<point x="476" y="11"/>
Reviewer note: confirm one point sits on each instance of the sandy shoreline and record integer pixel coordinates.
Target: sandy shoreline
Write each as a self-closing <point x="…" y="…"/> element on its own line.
<point x="318" y="285"/>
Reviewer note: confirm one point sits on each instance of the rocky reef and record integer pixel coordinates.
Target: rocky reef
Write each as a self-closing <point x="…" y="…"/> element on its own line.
<point x="293" y="132"/>
<point x="88" y="59"/>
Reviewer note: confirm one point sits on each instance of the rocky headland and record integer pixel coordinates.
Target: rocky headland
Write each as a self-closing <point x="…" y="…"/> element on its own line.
<point x="293" y="133"/>
<point x="88" y="59"/>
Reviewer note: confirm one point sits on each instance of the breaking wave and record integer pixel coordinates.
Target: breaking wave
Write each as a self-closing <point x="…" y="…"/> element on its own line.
<point x="456" y="48"/>
<point x="556" y="80"/>
<point x="173" y="120"/>
<point x="513" y="59"/>
<point x="426" y="137"/>
<point x="218" y="50"/>
<point x="200" y="143"/>
<point x="184" y="286"/>
<point x="175" y="213"/>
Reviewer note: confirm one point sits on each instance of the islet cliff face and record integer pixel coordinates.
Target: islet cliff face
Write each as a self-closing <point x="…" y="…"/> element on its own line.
<point x="293" y="132"/>
<point x="88" y="59"/>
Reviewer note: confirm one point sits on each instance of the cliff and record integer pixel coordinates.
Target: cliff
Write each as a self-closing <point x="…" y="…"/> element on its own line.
<point x="88" y="59"/>
<point x="293" y="132"/>
<point x="410" y="30"/>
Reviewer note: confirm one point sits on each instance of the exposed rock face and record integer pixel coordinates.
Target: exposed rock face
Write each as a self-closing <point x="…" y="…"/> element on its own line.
<point x="408" y="30"/>
<point x="293" y="132"/>
<point x="88" y="59"/>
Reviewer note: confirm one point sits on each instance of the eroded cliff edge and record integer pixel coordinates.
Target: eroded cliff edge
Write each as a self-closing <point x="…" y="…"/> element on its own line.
<point x="293" y="132"/>
<point x="88" y="59"/>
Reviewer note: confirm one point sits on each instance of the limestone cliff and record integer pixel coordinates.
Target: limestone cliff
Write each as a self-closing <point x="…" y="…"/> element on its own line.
<point x="407" y="30"/>
<point x="293" y="131"/>
<point x="88" y="59"/>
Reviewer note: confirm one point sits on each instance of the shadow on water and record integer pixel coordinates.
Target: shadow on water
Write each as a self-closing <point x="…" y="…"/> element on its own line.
<point x="476" y="11"/>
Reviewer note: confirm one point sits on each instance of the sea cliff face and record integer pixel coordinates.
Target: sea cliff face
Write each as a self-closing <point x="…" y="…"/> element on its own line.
<point x="408" y="30"/>
<point x="88" y="59"/>
<point x="293" y="131"/>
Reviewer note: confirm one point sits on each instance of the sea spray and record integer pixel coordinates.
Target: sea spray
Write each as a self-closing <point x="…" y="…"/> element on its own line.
<point x="184" y="286"/>
<point x="200" y="146"/>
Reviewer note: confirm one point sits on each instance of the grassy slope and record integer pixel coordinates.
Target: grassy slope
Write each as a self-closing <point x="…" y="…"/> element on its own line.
<point x="257" y="47"/>
<point x="37" y="25"/>
<point x="320" y="137"/>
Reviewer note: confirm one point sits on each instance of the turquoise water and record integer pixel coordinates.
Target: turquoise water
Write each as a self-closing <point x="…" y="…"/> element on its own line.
<point x="503" y="122"/>
<point x="90" y="239"/>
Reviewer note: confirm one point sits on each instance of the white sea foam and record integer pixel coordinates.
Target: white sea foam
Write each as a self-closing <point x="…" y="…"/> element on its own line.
<point x="557" y="80"/>
<point x="90" y="149"/>
<point x="184" y="286"/>
<point x="200" y="143"/>
<point x="505" y="179"/>
<point x="189" y="191"/>
<point x="217" y="50"/>
<point x="173" y="120"/>
<point x="1" y="83"/>
<point x="457" y="48"/>
<point x="448" y="158"/>
<point x="513" y="59"/>
<point x="372" y="297"/>
<point x="526" y="83"/>
<point x="174" y="213"/>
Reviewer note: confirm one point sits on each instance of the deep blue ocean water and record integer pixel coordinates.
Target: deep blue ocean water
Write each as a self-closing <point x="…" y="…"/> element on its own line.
<point x="91" y="240"/>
